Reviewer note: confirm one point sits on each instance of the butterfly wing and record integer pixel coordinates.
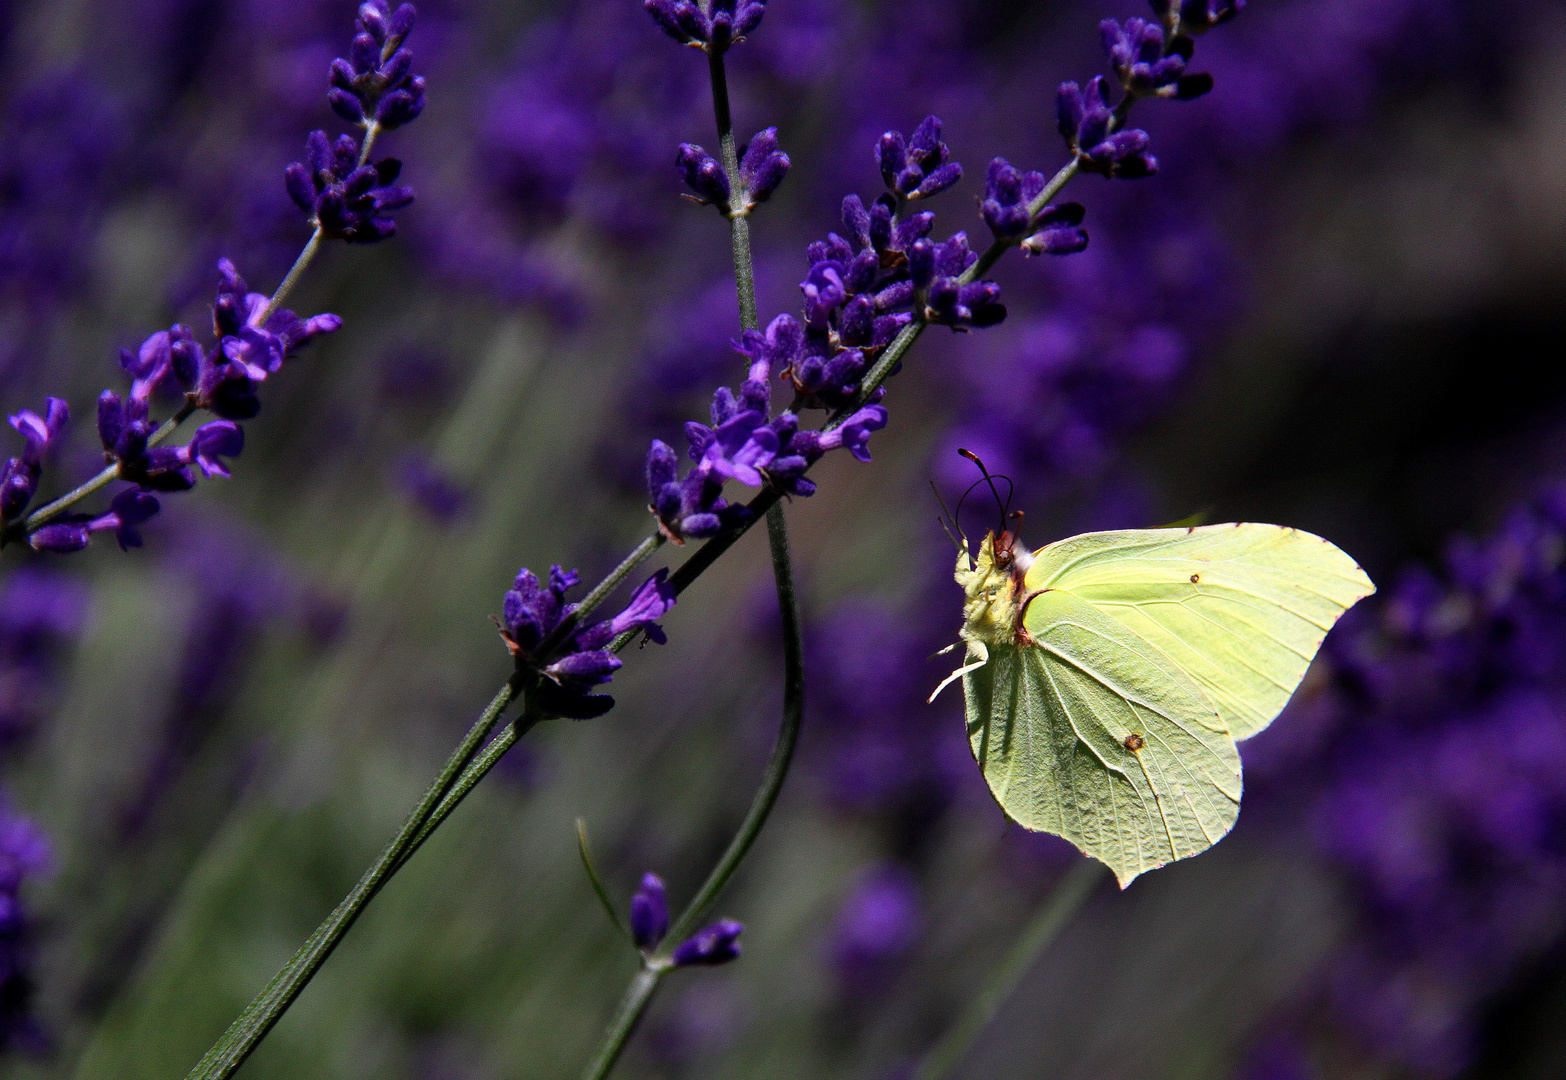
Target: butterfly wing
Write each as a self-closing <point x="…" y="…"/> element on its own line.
<point x="1094" y="735"/>
<point x="1240" y="608"/>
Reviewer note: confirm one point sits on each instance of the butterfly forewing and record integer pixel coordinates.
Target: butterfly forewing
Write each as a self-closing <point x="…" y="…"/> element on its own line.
<point x="1239" y="608"/>
<point x="1094" y="735"/>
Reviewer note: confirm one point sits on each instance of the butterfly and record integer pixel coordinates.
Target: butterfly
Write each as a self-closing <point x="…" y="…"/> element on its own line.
<point x="1109" y="675"/>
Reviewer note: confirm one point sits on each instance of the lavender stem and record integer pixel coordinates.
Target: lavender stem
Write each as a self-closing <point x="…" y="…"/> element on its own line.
<point x="645" y="982"/>
<point x="252" y="1025"/>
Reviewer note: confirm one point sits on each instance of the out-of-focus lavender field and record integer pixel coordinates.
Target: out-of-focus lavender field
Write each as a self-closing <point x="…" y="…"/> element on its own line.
<point x="1338" y="305"/>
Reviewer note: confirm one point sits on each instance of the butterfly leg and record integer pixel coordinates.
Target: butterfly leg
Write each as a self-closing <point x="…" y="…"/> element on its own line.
<point x="983" y="658"/>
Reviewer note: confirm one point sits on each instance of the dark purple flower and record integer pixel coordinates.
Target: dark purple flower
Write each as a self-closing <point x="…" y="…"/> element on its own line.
<point x="1008" y="192"/>
<point x="376" y="80"/>
<point x="919" y="166"/>
<point x="1136" y="50"/>
<point x="1059" y="231"/>
<point x="347" y="200"/>
<point x="1085" y="121"/>
<point x="212" y="442"/>
<point x="127" y="510"/>
<point x="716" y="944"/>
<point x="19" y="476"/>
<point x="725" y="22"/>
<point x="692" y="508"/>
<point x="762" y="166"/>
<point x="532" y="610"/>
<point x="704" y="175"/>
<point x="225" y="380"/>
<point x="649" y="913"/>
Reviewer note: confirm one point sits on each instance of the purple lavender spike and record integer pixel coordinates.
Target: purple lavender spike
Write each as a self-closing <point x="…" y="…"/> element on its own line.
<point x="716" y="944"/>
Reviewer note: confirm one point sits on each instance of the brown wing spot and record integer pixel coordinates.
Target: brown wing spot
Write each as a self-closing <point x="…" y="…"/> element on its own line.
<point x="1189" y="529"/>
<point x="1135" y="742"/>
<point x="1196" y="579"/>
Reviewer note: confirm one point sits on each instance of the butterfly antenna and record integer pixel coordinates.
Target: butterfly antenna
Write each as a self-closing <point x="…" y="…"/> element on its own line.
<point x="945" y="514"/>
<point x="1003" y="505"/>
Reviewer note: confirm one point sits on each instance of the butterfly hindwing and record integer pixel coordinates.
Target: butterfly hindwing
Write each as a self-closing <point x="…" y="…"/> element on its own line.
<point x="1093" y="734"/>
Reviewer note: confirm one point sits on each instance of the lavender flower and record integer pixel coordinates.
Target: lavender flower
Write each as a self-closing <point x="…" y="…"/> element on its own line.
<point x="937" y="270"/>
<point x="19" y="477"/>
<point x="533" y="610"/>
<point x="226" y="379"/>
<point x="376" y="80"/>
<point x="1136" y="50"/>
<point x="1085" y="121"/>
<point x="649" y="912"/>
<point x="127" y="510"/>
<point x="705" y="176"/>
<point x="762" y="166"/>
<point x="723" y="23"/>
<point x="346" y="200"/>
<point x="919" y="166"/>
<point x="1008" y="192"/>
<point x="713" y="945"/>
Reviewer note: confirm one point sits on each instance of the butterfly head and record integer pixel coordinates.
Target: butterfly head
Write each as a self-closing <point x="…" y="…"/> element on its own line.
<point x="992" y="581"/>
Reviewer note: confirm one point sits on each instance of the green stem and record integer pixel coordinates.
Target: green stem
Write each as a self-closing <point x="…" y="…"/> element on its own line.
<point x="739" y="221"/>
<point x="639" y="994"/>
<point x="637" y="997"/>
<point x="243" y="1035"/>
<point x="1059" y="906"/>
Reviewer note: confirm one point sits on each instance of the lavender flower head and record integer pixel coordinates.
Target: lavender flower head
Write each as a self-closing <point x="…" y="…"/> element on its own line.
<point x="532" y="611"/>
<point x="19" y="476"/>
<point x="713" y="945"/>
<point x="128" y="510"/>
<point x="919" y="166"/>
<point x="344" y="198"/>
<point x="1145" y="68"/>
<point x="1008" y="192"/>
<point x="649" y="912"/>
<point x="1085" y="120"/>
<point x="712" y="25"/>
<point x="762" y="167"/>
<point x="376" y="82"/>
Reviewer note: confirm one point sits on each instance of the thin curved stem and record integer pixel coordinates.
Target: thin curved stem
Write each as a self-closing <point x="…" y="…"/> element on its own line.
<point x="639" y="994"/>
<point x="1063" y="901"/>
<point x="252" y="1025"/>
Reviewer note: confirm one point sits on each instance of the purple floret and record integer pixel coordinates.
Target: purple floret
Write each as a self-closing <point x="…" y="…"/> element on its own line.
<point x="726" y="21"/>
<point x="532" y="611"/>
<point x="716" y="944"/>
<point x="20" y="474"/>
<point x="1085" y="120"/>
<point x="762" y="166"/>
<point x="649" y="912"/>
<point x="376" y="79"/>
<point x="129" y="509"/>
<point x="919" y="166"/>
<point x="1144" y="67"/>
<point x="347" y="200"/>
<point x="703" y="175"/>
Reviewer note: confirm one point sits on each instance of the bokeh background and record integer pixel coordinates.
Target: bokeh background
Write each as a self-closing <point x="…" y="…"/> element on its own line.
<point x="1339" y="306"/>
